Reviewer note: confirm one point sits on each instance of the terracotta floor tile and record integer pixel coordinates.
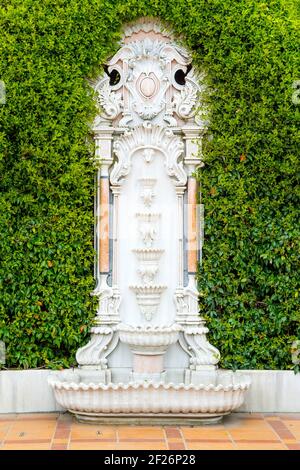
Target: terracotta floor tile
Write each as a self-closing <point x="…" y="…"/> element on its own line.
<point x="92" y="446"/>
<point x="293" y="446"/>
<point x="260" y="446"/>
<point x="249" y="431"/>
<point x="271" y="417"/>
<point x="204" y="433"/>
<point x="115" y="446"/>
<point x="24" y="446"/>
<point x="175" y="439"/>
<point x="176" y="446"/>
<point x="85" y="431"/>
<point x="62" y="434"/>
<point x="30" y="430"/>
<point x="4" y="428"/>
<point x="140" y="432"/>
<point x="37" y="416"/>
<point x="60" y="441"/>
<point x="281" y="429"/>
<point x="142" y="445"/>
<point x="247" y="424"/>
<point x="210" y="446"/>
<point x="294" y="428"/>
<point x="8" y="416"/>
<point x="290" y="416"/>
<point x="4" y="424"/>
<point x="172" y="432"/>
<point x="253" y="435"/>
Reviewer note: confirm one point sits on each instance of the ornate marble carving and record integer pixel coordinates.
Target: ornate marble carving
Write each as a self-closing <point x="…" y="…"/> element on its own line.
<point x="153" y="137"/>
<point x="149" y="339"/>
<point x="148" y="299"/>
<point x="211" y="400"/>
<point x="148" y="227"/>
<point x="147" y="192"/>
<point x="193" y="337"/>
<point x="109" y="100"/>
<point x="109" y="304"/>
<point x="104" y="338"/>
<point x="94" y="354"/>
<point x="148" y="263"/>
<point x="186" y="301"/>
<point x="148" y="133"/>
<point x="147" y="25"/>
<point x="202" y="354"/>
<point x="148" y="88"/>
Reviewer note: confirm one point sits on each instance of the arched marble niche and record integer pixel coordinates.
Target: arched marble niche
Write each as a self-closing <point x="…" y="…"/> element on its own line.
<point x="148" y="357"/>
<point x="148" y="144"/>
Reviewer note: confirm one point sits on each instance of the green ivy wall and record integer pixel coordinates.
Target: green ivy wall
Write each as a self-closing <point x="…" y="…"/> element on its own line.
<point x="249" y="280"/>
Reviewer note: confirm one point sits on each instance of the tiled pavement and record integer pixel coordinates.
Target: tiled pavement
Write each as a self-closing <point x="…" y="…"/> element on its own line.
<point x="238" y="431"/>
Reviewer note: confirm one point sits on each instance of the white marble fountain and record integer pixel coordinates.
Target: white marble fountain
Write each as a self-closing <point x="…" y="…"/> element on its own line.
<point x="148" y="356"/>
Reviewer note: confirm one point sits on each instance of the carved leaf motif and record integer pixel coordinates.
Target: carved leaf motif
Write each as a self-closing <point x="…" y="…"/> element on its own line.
<point x="110" y="101"/>
<point x="185" y="100"/>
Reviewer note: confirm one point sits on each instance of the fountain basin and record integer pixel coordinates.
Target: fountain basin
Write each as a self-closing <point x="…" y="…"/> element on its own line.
<point x="92" y="400"/>
<point x="149" y="339"/>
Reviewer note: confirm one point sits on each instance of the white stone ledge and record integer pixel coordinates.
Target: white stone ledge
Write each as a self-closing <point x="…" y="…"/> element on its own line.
<point x="27" y="391"/>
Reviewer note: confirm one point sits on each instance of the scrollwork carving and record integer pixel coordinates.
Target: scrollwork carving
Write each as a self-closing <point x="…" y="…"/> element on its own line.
<point x="145" y="138"/>
<point x="110" y="101"/>
<point x="103" y="341"/>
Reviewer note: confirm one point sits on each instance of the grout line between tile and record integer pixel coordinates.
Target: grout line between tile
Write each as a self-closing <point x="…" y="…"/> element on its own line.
<point x="274" y="431"/>
<point x="165" y="437"/>
<point x="51" y="441"/>
<point x="183" y="438"/>
<point x="231" y="439"/>
<point x="70" y="433"/>
<point x="9" y="428"/>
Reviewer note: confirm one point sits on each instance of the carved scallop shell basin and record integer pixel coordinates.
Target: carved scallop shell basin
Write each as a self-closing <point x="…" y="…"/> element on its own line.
<point x="149" y="339"/>
<point x="91" y="400"/>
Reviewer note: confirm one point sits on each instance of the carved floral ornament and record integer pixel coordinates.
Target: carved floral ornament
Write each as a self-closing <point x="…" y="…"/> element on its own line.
<point x="150" y="138"/>
<point x="152" y="80"/>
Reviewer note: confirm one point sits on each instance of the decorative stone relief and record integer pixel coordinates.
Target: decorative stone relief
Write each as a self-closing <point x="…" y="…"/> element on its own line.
<point x="109" y="100"/>
<point x="148" y="227"/>
<point x="104" y="338"/>
<point x="148" y="299"/>
<point x="148" y="263"/>
<point x="202" y="353"/>
<point x="109" y="304"/>
<point x="94" y="353"/>
<point x="156" y="83"/>
<point x="147" y="192"/>
<point x="148" y="145"/>
<point x="149" y="137"/>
